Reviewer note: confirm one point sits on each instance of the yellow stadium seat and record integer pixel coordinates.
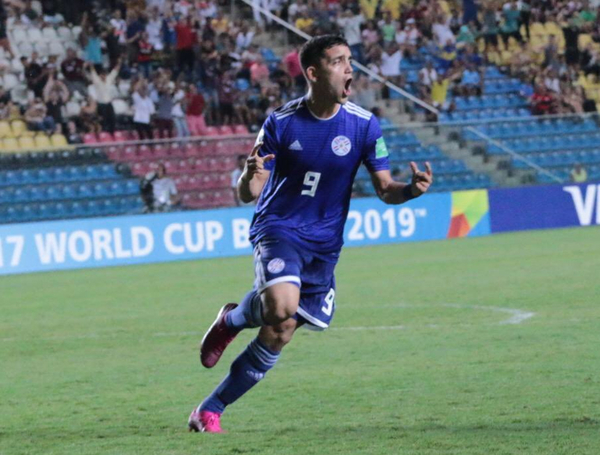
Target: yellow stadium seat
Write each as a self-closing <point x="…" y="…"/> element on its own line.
<point x="5" y="130"/>
<point x="537" y="28"/>
<point x="18" y="127"/>
<point x="26" y="143"/>
<point x="42" y="141"/>
<point x="10" y="144"/>
<point x="58" y="140"/>
<point x="583" y="40"/>
<point x="552" y="28"/>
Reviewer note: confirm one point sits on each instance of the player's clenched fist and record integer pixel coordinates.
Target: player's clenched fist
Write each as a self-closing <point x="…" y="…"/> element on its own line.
<point x="255" y="163"/>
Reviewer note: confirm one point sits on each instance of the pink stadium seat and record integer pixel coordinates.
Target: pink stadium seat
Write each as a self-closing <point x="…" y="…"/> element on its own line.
<point x="120" y="136"/>
<point x="191" y="149"/>
<point x="177" y="149"/>
<point x="133" y="135"/>
<point x="114" y="153"/>
<point x="207" y="148"/>
<point x="145" y="153"/>
<point x="200" y="164"/>
<point x="223" y="181"/>
<point x="211" y="131"/>
<point x="105" y="136"/>
<point x="90" y="138"/>
<point x="160" y="151"/>
<point x="240" y="129"/>
<point x="225" y="130"/>
<point x="129" y="153"/>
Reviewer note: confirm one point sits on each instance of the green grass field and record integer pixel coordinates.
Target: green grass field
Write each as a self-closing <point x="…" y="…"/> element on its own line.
<point x="431" y="352"/>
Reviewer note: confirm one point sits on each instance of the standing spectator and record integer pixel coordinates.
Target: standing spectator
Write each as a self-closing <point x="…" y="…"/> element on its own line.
<point x="164" y="112"/>
<point x="294" y="69"/>
<point x="226" y="91"/>
<point x="195" y="110"/>
<point x="244" y="38"/>
<point x="578" y="174"/>
<point x="133" y="34"/>
<point x="511" y="23"/>
<point x="91" y="42"/>
<point x="154" y="29"/>
<point x="143" y="108"/>
<point x="104" y="85"/>
<point x="390" y="63"/>
<point x="186" y="38"/>
<point x="145" y="55"/>
<point x="490" y="28"/>
<point x="72" y="69"/>
<point x="179" y="119"/>
<point x="388" y="27"/>
<point x="350" y="24"/>
<point x="119" y="29"/>
<point x="259" y="72"/>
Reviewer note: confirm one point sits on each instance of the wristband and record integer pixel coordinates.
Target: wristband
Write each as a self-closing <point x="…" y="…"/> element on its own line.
<point x="407" y="192"/>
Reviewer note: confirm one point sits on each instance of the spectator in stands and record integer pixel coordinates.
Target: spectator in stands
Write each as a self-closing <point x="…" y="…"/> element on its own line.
<point x="390" y="63"/>
<point x="145" y="51"/>
<point x="350" y="24"/>
<point x="227" y="93"/>
<point x="154" y="29"/>
<point x="72" y="68"/>
<point x="244" y="37"/>
<point x="259" y="72"/>
<point x="195" y="110"/>
<point x="133" y="33"/>
<point x="388" y="27"/>
<point x="578" y="174"/>
<point x="179" y="118"/>
<point x="542" y="101"/>
<point x="490" y="28"/>
<point x="143" y="109"/>
<point x="186" y="39"/>
<point x="35" y="74"/>
<point x="37" y="117"/>
<point x="91" y="42"/>
<point x="119" y="29"/>
<point x="408" y="38"/>
<point x="511" y="25"/>
<point x="164" y="191"/>
<point x="292" y="64"/>
<point x="88" y="116"/>
<point x="104" y="86"/>
<point x="56" y="95"/>
<point x="471" y="81"/>
<point x="164" y="111"/>
<point x="4" y="42"/>
<point x="73" y="137"/>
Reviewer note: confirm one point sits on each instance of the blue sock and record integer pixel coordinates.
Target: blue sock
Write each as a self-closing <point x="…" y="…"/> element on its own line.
<point x="246" y="371"/>
<point x="248" y="314"/>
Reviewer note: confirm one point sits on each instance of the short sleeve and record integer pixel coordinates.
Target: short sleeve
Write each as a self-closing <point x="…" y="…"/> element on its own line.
<point x="268" y="136"/>
<point x="375" y="153"/>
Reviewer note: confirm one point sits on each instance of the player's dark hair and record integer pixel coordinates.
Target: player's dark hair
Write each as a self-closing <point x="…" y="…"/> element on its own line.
<point x="314" y="49"/>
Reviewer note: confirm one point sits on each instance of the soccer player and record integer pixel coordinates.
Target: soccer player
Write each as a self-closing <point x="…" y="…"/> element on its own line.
<point x="301" y="170"/>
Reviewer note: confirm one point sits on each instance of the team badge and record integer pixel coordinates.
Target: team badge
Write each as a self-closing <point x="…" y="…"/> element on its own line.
<point x="341" y="145"/>
<point x="276" y="265"/>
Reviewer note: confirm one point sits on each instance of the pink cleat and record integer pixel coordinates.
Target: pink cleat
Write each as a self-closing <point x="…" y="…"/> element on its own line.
<point x="217" y="338"/>
<point x="205" y="422"/>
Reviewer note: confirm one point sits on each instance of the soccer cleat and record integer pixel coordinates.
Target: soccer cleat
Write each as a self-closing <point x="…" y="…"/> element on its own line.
<point x="205" y="422"/>
<point x="217" y="338"/>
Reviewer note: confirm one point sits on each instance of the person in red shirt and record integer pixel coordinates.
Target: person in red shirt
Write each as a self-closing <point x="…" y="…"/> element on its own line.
<point x="145" y="55"/>
<point x="74" y="74"/>
<point x="542" y="101"/>
<point x="186" y="38"/>
<point x="195" y="110"/>
<point x="292" y="64"/>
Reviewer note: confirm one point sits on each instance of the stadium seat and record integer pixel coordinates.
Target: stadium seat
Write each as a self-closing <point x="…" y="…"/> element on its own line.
<point x="90" y="138"/>
<point x="58" y="140"/>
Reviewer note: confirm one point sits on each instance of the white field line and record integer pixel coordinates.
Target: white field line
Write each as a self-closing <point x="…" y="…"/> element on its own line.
<point x="516" y="317"/>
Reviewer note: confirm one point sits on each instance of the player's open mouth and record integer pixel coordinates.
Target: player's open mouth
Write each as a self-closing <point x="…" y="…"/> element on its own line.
<point x="347" y="89"/>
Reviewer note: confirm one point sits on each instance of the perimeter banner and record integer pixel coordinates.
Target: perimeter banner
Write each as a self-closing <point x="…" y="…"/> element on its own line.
<point x="544" y="207"/>
<point x="101" y="242"/>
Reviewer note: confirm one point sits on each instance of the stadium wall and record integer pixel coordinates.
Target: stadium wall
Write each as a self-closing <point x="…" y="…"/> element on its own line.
<point x="101" y="242"/>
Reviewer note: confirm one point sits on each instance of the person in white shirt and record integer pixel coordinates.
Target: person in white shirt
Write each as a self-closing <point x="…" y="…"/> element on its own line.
<point x="390" y="62"/>
<point x="350" y="24"/>
<point x="179" y="119"/>
<point x="143" y="108"/>
<point x="408" y="38"/>
<point x="164" y="191"/>
<point x="441" y="31"/>
<point x="105" y="90"/>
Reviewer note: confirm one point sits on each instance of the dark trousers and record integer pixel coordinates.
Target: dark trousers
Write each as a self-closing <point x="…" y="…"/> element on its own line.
<point x="144" y="130"/>
<point x="107" y="116"/>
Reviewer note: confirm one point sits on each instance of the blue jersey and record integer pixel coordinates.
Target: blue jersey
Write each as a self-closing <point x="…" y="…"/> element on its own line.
<point x="307" y="195"/>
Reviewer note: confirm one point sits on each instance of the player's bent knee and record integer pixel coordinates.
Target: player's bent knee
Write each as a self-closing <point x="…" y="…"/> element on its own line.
<point x="277" y="336"/>
<point x="281" y="302"/>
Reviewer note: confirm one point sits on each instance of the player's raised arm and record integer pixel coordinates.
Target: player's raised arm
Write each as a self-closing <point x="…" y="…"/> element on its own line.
<point x="392" y="192"/>
<point x="254" y="176"/>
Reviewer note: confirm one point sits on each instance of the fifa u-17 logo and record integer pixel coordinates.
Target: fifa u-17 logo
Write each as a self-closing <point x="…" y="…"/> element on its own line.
<point x="585" y="204"/>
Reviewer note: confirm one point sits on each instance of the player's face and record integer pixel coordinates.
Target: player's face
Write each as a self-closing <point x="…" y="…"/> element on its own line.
<point x="336" y="73"/>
